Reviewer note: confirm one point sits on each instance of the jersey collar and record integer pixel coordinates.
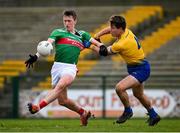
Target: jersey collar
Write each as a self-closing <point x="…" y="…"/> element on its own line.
<point x="125" y="34"/>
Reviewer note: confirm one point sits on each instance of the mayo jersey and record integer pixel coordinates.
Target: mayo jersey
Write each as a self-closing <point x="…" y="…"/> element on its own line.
<point x="129" y="48"/>
<point x="69" y="45"/>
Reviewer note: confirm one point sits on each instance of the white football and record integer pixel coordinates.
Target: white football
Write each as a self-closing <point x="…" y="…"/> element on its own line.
<point x="44" y="48"/>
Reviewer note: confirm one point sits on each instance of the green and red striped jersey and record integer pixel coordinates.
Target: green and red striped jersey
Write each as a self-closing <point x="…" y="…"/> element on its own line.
<point x="68" y="45"/>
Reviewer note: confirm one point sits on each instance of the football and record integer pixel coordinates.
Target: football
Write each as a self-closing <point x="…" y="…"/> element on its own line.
<point x="44" y="48"/>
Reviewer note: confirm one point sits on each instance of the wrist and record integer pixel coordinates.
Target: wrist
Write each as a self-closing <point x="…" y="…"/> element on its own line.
<point x="38" y="55"/>
<point x="102" y="44"/>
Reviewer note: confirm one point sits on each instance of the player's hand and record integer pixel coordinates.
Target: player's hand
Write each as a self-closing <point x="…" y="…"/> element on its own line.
<point x="31" y="60"/>
<point x="103" y="50"/>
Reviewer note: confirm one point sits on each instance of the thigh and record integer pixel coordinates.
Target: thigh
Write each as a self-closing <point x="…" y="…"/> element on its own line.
<point x="55" y="75"/>
<point x="64" y="72"/>
<point x="128" y="82"/>
<point x="64" y="81"/>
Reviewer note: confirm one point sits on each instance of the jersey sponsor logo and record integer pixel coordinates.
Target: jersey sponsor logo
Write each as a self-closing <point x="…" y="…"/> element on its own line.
<point x="70" y="42"/>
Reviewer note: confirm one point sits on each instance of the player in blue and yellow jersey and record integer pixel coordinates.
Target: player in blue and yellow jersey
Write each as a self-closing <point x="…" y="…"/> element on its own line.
<point x="68" y="43"/>
<point x="128" y="46"/>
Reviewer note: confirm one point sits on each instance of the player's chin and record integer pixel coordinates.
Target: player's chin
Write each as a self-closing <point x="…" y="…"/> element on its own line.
<point x="68" y="28"/>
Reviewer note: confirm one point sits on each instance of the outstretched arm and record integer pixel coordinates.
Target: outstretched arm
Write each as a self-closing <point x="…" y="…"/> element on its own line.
<point x="95" y="45"/>
<point x="102" y="32"/>
<point x="98" y="46"/>
<point x="51" y="40"/>
<point x="33" y="58"/>
<point x="102" y="50"/>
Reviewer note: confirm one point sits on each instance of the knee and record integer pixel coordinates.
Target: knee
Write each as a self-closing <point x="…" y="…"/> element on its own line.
<point x="119" y="88"/>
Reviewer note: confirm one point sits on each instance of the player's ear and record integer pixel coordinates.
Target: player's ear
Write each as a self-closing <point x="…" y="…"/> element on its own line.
<point x="75" y="21"/>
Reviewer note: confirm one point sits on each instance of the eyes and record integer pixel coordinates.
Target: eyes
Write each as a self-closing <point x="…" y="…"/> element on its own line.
<point x="67" y="21"/>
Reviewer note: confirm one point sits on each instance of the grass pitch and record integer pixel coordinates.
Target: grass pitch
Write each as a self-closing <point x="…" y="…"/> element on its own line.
<point x="95" y="125"/>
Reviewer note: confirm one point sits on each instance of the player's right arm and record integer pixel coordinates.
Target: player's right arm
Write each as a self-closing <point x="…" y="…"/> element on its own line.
<point x="104" y="31"/>
<point x="102" y="49"/>
<point x="33" y="58"/>
<point x="50" y="40"/>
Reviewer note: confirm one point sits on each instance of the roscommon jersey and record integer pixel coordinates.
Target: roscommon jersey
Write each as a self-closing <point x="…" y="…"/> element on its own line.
<point x="129" y="48"/>
<point x="69" y="45"/>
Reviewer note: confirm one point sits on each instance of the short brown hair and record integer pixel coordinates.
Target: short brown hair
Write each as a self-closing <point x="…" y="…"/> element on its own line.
<point x="118" y="22"/>
<point x="70" y="13"/>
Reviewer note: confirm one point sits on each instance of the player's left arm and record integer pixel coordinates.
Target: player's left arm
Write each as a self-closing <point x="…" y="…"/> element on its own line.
<point x="90" y="42"/>
<point x="97" y="46"/>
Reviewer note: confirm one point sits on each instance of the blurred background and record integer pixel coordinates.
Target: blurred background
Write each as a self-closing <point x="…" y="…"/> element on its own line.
<point x="24" y="23"/>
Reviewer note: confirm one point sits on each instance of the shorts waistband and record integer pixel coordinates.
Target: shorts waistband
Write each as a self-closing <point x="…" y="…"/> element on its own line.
<point x="64" y="64"/>
<point x="142" y="62"/>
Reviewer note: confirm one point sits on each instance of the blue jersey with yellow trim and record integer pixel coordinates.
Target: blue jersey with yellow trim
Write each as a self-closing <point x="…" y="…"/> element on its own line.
<point x="129" y="48"/>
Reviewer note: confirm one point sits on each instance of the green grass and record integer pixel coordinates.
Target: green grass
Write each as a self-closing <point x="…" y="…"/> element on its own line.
<point x="95" y="125"/>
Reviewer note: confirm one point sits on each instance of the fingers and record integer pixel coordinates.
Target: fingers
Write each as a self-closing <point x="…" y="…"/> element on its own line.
<point x="28" y="64"/>
<point x="30" y="55"/>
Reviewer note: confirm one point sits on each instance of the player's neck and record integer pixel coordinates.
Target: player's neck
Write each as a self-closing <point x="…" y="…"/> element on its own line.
<point x="121" y="33"/>
<point x="73" y="32"/>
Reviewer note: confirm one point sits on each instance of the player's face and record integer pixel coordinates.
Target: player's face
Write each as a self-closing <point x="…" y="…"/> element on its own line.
<point x="115" y="32"/>
<point x="69" y="23"/>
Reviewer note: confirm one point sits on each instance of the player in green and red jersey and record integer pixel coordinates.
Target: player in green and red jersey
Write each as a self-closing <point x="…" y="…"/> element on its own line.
<point x="68" y="42"/>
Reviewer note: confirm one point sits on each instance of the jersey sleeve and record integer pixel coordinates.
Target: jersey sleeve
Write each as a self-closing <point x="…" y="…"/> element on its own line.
<point x="86" y="39"/>
<point x="54" y="34"/>
<point x="117" y="47"/>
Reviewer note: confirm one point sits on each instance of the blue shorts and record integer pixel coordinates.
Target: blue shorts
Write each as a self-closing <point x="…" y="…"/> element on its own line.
<point x="141" y="71"/>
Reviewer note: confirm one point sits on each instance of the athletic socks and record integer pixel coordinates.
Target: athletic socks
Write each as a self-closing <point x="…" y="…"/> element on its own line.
<point x="81" y="111"/>
<point x="128" y="110"/>
<point x="152" y="113"/>
<point x="42" y="104"/>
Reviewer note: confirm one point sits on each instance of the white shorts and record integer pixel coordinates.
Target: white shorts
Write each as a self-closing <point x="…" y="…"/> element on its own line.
<point x="60" y="69"/>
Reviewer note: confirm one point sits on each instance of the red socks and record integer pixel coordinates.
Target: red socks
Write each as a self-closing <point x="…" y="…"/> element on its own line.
<point x="42" y="104"/>
<point x="81" y="111"/>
